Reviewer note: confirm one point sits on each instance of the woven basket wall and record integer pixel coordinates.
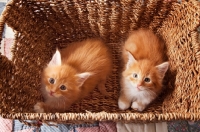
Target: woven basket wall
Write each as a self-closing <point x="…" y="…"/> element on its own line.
<point x="41" y="25"/>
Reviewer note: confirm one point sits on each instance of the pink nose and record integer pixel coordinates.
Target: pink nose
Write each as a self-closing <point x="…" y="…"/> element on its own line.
<point x="138" y="86"/>
<point x="51" y="93"/>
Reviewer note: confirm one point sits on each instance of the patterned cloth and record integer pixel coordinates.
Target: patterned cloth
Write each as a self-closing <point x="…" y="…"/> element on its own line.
<point x="95" y="127"/>
<point x="7" y="47"/>
<point x="184" y="126"/>
<point x="5" y="125"/>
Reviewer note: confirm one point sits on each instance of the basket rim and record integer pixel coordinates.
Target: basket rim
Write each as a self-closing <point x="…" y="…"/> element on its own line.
<point x="103" y="116"/>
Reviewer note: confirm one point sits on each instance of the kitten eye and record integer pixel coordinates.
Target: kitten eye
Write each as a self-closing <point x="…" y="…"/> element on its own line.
<point x="135" y="75"/>
<point x="147" y="79"/>
<point x="51" y="80"/>
<point x="62" y="87"/>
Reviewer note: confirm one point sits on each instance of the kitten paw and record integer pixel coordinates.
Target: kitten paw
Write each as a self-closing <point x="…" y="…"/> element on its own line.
<point x="39" y="107"/>
<point x="138" y="107"/>
<point x="123" y="105"/>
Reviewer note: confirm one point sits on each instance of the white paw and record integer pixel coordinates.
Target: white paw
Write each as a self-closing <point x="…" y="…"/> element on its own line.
<point x="39" y="107"/>
<point x="137" y="107"/>
<point x="123" y="105"/>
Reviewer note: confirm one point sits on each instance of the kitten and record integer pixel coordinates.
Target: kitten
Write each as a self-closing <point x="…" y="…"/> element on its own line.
<point x="144" y="69"/>
<point x="78" y="69"/>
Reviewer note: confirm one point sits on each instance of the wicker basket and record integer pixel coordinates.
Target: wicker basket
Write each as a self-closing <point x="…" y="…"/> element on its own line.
<point x="41" y="25"/>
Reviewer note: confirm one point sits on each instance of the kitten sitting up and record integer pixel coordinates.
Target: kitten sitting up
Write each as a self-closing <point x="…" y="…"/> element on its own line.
<point x="144" y="69"/>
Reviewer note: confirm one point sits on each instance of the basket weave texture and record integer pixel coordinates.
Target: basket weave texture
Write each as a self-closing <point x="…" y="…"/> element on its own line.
<point x="41" y="25"/>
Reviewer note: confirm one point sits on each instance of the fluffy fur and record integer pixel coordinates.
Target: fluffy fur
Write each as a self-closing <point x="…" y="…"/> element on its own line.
<point x="73" y="73"/>
<point x="144" y="69"/>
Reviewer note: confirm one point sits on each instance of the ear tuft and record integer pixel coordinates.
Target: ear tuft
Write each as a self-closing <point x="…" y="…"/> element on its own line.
<point x="131" y="59"/>
<point x="162" y="68"/>
<point x="56" y="59"/>
<point x="82" y="77"/>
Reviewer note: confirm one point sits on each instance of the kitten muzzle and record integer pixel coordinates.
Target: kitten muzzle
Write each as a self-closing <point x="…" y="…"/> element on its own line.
<point x="51" y="93"/>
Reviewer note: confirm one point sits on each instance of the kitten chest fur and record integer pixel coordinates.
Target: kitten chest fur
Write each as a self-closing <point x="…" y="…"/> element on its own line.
<point x="134" y="94"/>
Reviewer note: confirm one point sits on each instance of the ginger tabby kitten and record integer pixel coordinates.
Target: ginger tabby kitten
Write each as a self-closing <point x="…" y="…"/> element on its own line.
<point x="145" y="66"/>
<point x="77" y="70"/>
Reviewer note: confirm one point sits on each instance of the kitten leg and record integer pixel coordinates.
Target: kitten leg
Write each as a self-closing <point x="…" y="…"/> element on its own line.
<point x="102" y="88"/>
<point x="139" y="106"/>
<point x="42" y="107"/>
<point x="39" y="107"/>
<point x="124" y="102"/>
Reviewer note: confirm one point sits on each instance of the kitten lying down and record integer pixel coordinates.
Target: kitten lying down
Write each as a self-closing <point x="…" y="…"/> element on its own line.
<point x="144" y="69"/>
<point x="77" y="70"/>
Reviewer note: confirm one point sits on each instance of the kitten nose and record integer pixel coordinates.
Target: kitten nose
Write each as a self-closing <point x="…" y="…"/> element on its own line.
<point x="138" y="85"/>
<point x="51" y="93"/>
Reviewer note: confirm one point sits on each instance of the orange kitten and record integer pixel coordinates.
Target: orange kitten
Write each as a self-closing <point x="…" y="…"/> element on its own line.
<point x="84" y="65"/>
<point x="144" y="69"/>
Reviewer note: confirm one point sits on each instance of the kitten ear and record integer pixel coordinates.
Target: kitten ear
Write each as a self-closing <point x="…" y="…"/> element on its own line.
<point x="131" y="59"/>
<point x="56" y="59"/>
<point x="162" y="68"/>
<point x="82" y="77"/>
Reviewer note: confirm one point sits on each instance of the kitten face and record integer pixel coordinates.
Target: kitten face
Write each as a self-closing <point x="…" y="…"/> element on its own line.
<point x="143" y="76"/>
<point x="60" y="81"/>
<point x="63" y="81"/>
